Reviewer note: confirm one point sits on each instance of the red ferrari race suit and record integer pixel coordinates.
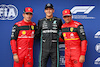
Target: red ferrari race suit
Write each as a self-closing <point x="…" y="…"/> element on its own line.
<point x="22" y="42"/>
<point x="75" y="43"/>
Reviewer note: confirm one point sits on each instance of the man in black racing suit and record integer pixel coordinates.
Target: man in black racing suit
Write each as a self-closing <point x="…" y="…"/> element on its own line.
<point x="48" y="30"/>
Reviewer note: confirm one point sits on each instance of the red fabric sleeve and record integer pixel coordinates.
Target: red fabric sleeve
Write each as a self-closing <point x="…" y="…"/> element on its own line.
<point x="83" y="47"/>
<point x="13" y="46"/>
<point x="60" y="39"/>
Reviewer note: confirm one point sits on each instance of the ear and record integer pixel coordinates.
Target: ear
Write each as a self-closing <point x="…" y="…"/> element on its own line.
<point x="71" y="17"/>
<point x="23" y="14"/>
<point x="53" y="10"/>
<point x="63" y="17"/>
<point x="32" y="15"/>
<point x="44" y="11"/>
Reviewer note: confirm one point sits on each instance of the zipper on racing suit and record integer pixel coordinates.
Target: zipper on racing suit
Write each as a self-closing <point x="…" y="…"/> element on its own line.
<point x="29" y="45"/>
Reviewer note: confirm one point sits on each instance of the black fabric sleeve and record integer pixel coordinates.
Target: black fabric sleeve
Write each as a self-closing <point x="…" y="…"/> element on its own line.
<point x="81" y="32"/>
<point x="62" y="36"/>
<point x="61" y="23"/>
<point x="15" y="32"/>
<point x="38" y="30"/>
<point x="35" y="28"/>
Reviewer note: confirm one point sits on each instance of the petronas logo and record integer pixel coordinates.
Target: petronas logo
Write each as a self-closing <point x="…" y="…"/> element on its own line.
<point x="54" y="22"/>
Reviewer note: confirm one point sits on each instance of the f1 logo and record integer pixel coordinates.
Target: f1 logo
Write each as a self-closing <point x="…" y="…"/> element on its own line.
<point x="85" y="9"/>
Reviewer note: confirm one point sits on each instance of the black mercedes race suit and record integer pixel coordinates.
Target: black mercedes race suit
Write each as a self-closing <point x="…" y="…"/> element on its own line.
<point x="48" y="30"/>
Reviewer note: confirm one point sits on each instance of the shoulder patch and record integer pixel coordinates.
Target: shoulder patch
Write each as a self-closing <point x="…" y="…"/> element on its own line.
<point x="77" y="23"/>
<point x="18" y="23"/>
<point x="33" y="23"/>
<point x="56" y="18"/>
<point x="63" y="26"/>
<point x="42" y="19"/>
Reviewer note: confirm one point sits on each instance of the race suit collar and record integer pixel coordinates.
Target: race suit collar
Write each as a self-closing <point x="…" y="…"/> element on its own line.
<point x="49" y="19"/>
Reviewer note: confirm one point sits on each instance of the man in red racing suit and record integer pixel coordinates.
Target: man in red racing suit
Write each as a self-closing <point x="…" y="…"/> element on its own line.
<point x="75" y="41"/>
<point x="22" y="40"/>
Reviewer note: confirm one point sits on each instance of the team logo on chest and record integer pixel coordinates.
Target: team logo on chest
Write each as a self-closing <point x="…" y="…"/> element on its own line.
<point x="32" y="27"/>
<point x="72" y="35"/>
<point x="71" y="29"/>
<point x="54" y="24"/>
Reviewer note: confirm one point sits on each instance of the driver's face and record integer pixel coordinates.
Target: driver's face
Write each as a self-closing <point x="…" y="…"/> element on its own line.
<point x="67" y="19"/>
<point x="49" y="11"/>
<point x="28" y="16"/>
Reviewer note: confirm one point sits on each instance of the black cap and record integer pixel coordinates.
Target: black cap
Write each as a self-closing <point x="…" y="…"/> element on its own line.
<point x="49" y="5"/>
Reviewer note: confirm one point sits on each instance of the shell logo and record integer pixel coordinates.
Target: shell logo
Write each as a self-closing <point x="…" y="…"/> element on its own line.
<point x="71" y="29"/>
<point x="23" y="32"/>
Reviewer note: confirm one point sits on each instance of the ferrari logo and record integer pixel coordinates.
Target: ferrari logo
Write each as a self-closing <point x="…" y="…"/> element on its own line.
<point x="32" y="27"/>
<point x="71" y="29"/>
<point x="23" y="32"/>
<point x="29" y="9"/>
<point x="65" y="11"/>
<point x="64" y="34"/>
